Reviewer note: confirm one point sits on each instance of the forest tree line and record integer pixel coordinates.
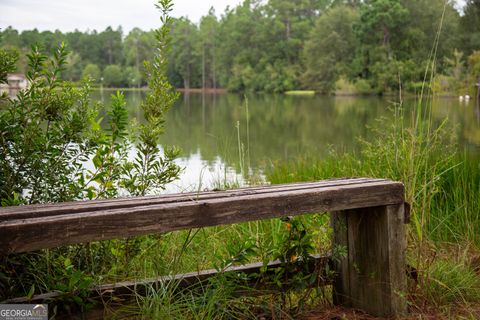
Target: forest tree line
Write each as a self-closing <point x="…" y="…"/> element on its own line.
<point x="370" y="46"/>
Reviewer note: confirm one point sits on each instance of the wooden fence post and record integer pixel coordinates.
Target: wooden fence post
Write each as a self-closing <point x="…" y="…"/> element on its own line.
<point x="369" y="253"/>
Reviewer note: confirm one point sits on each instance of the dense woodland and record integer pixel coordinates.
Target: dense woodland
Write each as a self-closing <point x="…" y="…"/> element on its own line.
<point x="370" y="46"/>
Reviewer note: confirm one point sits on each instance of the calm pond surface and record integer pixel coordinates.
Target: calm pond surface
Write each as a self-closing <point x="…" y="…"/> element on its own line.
<point x="209" y="128"/>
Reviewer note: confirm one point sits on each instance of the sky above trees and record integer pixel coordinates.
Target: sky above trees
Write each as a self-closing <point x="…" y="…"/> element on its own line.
<point x="68" y="15"/>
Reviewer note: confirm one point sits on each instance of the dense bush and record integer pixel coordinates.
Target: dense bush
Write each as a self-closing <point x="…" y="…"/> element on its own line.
<point x="55" y="146"/>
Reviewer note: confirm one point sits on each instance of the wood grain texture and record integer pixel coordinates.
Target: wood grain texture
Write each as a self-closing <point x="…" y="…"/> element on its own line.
<point x="375" y="267"/>
<point x="397" y="247"/>
<point x="44" y="210"/>
<point x="49" y="226"/>
<point x="341" y="283"/>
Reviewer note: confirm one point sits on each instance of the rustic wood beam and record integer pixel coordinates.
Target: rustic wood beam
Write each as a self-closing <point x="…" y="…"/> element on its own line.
<point x="21" y="234"/>
<point x="52" y="209"/>
<point x="371" y="272"/>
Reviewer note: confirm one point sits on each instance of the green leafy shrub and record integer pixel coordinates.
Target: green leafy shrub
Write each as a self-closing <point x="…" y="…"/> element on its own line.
<point x="113" y="76"/>
<point x="47" y="134"/>
<point x="91" y="71"/>
<point x="55" y="147"/>
<point x="362" y="86"/>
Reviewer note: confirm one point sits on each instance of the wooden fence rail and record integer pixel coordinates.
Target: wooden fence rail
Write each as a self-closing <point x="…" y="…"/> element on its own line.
<point x="368" y="218"/>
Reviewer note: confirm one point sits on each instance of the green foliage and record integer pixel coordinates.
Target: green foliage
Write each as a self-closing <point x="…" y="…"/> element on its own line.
<point x="8" y="59"/>
<point x="214" y="300"/>
<point x="113" y="76"/>
<point x="110" y="43"/>
<point x="138" y="46"/>
<point x="46" y="134"/>
<point x="239" y="253"/>
<point x="474" y="65"/>
<point x="208" y="34"/>
<point x="469" y="27"/>
<point x="379" y="19"/>
<point x="183" y="56"/>
<point x="294" y="253"/>
<point x="455" y="65"/>
<point x="280" y="45"/>
<point x="330" y="48"/>
<point x="92" y="71"/>
<point x="74" y="68"/>
<point x="149" y="171"/>
<point x="132" y="77"/>
<point x="362" y="86"/>
<point x="55" y="147"/>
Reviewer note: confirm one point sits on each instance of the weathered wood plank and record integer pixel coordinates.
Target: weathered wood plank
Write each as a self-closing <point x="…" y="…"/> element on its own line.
<point x="341" y="284"/>
<point x="43" y="210"/>
<point x="186" y="280"/>
<point x="20" y="235"/>
<point x="376" y="261"/>
<point x="397" y="247"/>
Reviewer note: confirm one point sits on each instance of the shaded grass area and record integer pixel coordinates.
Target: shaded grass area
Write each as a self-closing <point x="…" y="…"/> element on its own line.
<point x="74" y="269"/>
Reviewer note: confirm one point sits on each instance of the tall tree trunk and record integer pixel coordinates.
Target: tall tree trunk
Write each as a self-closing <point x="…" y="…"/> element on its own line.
<point x="186" y="79"/>
<point x="386" y="42"/>
<point x="203" y="68"/>
<point x="137" y="62"/>
<point x="287" y="29"/>
<point x="110" y="53"/>
<point x="214" y="78"/>
<point x="478" y="91"/>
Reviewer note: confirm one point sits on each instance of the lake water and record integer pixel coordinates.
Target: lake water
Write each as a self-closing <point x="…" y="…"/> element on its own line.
<point x="217" y="141"/>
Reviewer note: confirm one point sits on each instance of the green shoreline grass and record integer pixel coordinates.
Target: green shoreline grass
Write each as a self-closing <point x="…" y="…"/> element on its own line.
<point x="300" y="93"/>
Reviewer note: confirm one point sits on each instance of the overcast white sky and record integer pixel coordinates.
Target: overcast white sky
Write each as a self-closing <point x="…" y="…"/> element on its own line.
<point x="67" y="15"/>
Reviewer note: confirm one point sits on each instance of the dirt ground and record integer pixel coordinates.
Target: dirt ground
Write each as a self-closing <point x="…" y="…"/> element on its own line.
<point x="471" y="312"/>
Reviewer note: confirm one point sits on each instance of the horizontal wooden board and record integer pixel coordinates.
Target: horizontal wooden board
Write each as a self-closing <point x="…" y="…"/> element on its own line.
<point x="20" y="234"/>
<point x="43" y="210"/>
<point x="187" y="280"/>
